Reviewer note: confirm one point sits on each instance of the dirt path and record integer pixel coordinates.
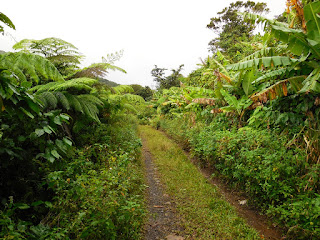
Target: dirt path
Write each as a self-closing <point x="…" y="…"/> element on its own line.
<point x="163" y="222"/>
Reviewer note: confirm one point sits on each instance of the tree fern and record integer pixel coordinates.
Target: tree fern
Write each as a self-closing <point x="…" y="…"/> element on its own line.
<point x="47" y="99"/>
<point x="30" y="67"/>
<point x="133" y="98"/>
<point x="96" y="70"/>
<point x="62" y="54"/>
<point x="123" y="89"/>
<point x="6" y="21"/>
<point x="75" y="85"/>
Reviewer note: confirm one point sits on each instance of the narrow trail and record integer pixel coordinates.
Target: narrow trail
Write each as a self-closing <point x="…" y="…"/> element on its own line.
<point x="163" y="222"/>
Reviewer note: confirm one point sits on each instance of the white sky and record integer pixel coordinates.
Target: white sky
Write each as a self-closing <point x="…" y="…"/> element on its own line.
<point x="165" y="33"/>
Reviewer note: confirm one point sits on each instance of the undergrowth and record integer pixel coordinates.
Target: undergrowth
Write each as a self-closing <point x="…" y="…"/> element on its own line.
<point x="262" y="163"/>
<point x="97" y="194"/>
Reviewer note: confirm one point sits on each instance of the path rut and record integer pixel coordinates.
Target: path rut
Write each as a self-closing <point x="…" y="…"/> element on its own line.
<point x="163" y="221"/>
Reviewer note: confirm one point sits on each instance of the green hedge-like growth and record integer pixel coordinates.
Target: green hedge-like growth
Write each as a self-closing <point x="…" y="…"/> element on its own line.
<point x="276" y="177"/>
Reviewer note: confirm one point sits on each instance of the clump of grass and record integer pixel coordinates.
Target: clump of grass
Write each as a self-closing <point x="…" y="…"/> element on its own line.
<point x="205" y="214"/>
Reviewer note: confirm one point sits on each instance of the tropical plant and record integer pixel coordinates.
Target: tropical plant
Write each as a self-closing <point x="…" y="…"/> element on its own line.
<point x="4" y="19"/>
<point x="62" y="54"/>
<point x="301" y="69"/>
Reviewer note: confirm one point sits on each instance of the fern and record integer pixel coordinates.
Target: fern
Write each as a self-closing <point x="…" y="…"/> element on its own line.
<point x="30" y="67"/>
<point x="76" y="85"/>
<point x="133" y="98"/>
<point x="123" y="89"/>
<point x="6" y="21"/>
<point x="96" y="70"/>
<point x="49" y="47"/>
<point x="47" y="99"/>
<point x="62" y="54"/>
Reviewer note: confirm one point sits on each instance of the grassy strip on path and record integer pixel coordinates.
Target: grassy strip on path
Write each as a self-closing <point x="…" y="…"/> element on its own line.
<point x="206" y="215"/>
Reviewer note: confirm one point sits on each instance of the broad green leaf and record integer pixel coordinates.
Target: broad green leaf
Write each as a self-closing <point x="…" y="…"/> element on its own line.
<point x="27" y="113"/>
<point x="311" y="14"/>
<point x="55" y="154"/>
<point x="39" y="132"/>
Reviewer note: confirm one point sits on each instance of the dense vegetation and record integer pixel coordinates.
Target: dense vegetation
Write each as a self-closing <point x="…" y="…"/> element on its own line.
<point x="69" y="150"/>
<point x="251" y="111"/>
<point x="70" y="163"/>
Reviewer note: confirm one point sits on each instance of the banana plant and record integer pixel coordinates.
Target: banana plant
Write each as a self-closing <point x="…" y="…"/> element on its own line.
<point x="300" y="69"/>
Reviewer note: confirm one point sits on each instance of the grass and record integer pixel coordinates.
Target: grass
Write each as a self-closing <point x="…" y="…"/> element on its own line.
<point x="204" y="212"/>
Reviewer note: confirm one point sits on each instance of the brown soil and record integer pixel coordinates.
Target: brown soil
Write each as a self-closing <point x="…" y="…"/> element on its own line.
<point x="163" y="221"/>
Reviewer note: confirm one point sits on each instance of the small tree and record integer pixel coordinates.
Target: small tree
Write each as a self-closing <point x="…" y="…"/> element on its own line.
<point x="233" y="30"/>
<point x="166" y="82"/>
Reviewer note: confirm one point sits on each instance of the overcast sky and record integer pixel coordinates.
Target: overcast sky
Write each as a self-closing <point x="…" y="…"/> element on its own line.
<point x="166" y="33"/>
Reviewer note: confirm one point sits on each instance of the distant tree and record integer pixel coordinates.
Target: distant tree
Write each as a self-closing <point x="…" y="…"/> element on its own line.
<point x="233" y="30"/>
<point x="166" y="82"/>
<point x="145" y="92"/>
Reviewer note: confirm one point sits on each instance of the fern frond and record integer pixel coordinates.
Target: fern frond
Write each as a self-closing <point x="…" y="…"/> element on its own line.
<point x="133" y="98"/>
<point x="96" y="70"/>
<point x="30" y="67"/>
<point x="123" y="89"/>
<point x="47" y="47"/>
<point x="6" y="21"/>
<point x="130" y="107"/>
<point x="63" y="100"/>
<point x="74" y="102"/>
<point x="47" y="99"/>
<point x="90" y="108"/>
<point x="78" y="84"/>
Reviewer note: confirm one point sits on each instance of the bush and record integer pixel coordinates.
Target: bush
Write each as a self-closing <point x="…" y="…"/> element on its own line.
<point x="97" y="194"/>
<point x="277" y="178"/>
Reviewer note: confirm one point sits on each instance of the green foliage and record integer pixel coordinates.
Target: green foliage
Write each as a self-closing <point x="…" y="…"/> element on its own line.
<point x="274" y="173"/>
<point x="64" y="55"/>
<point x="145" y="92"/>
<point x="233" y="30"/>
<point x="166" y="82"/>
<point x="95" y="71"/>
<point x="98" y="193"/>
<point x="29" y="67"/>
<point x="4" y="19"/>
<point x="77" y="85"/>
